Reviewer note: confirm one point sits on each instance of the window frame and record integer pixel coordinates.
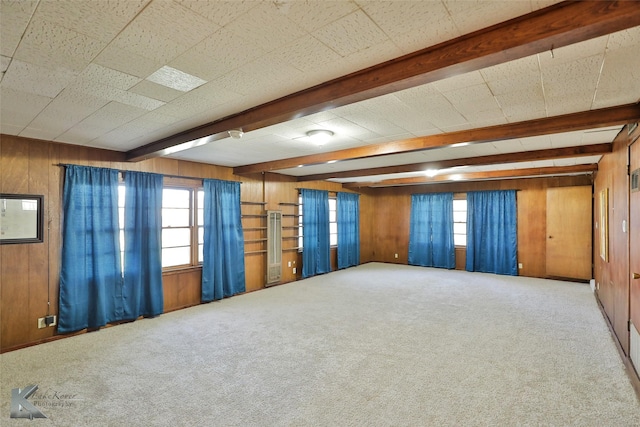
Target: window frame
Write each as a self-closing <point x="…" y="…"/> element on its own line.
<point x="335" y="221"/>
<point x="459" y="196"/>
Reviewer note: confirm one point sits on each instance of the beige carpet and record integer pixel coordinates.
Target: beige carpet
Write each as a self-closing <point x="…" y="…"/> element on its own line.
<point x="375" y="345"/>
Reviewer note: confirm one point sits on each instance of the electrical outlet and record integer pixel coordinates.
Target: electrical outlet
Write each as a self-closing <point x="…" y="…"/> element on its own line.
<point x="396" y="256"/>
<point x="41" y="323"/>
<point x="289" y="264"/>
<point x="520" y="265"/>
<point x="294" y="270"/>
<point x="50" y="320"/>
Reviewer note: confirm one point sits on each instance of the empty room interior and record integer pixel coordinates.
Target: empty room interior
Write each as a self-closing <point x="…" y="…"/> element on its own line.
<point x="340" y="212"/>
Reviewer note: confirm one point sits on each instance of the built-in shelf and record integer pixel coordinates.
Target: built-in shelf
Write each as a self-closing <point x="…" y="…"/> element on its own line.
<point x="289" y="204"/>
<point x="264" y="239"/>
<point x="253" y="203"/>
<point x="263" y="251"/>
<point x="254" y="216"/>
<point x="290" y="249"/>
<point x="253" y="228"/>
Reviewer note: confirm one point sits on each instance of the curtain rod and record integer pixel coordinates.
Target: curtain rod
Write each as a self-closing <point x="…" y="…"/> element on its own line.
<point x="163" y="174"/>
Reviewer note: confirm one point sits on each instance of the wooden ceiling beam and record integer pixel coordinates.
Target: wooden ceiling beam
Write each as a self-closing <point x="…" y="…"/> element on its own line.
<point x="566" y="123"/>
<point x="558" y="25"/>
<point x="478" y="176"/>
<point x="522" y="156"/>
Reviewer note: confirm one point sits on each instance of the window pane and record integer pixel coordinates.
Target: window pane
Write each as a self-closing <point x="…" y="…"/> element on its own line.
<point x="176" y="256"/>
<point x="121" y="193"/>
<point x="200" y="207"/>
<point x="121" y="217"/>
<point x="172" y="237"/>
<point x="176" y="198"/>
<point x="459" y="228"/>
<point x="333" y="239"/>
<point x="333" y="227"/>
<point x="460" y="205"/>
<point x="200" y="235"/>
<point x="460" y="239"/>
<point x="175" y="217"/>
<point x="459" y="216"/>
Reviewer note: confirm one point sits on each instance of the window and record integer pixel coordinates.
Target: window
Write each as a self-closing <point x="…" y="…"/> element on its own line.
<point x="182" y="226"/>
<point x="121" y="193"/>
<point x="333" y="222"/>
<point x="460" y="220"/>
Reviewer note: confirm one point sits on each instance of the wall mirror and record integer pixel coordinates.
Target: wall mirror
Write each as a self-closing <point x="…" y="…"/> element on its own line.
<point x="21" y="218"/>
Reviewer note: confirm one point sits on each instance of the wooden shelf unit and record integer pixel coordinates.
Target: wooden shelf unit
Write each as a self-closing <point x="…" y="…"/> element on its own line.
<point x="254" y="227"/>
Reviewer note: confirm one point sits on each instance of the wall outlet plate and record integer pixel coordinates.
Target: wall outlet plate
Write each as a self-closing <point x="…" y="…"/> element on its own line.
<point x="41" y="323"/>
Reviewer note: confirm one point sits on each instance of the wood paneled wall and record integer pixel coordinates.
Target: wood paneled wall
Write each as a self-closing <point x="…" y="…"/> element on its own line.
<point x="29" y="272"/>
<point x="392" y="207"/>
<point x="612" y="276"/>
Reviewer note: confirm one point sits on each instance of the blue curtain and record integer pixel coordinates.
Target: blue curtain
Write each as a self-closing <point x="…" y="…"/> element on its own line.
<point x="90" y="274"/>
<point x="492" y="236"/>
<point x="431" y="231"/>
<point x="315" y="232"/>
<point x="348" y="229"/>
<point x="143" y="294"/>
<point x="223" y="271"/>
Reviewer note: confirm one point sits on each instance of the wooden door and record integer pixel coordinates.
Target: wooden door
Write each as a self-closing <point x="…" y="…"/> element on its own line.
<point x="634" y="233"/>
<point x="569" y="245"/>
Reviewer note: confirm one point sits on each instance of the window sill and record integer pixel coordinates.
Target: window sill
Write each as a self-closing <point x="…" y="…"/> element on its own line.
<point x="181" y="269"/>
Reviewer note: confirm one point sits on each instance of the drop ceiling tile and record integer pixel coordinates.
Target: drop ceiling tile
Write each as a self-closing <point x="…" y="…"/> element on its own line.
<point x="9" y="129"/>
<point x="437" y="110"/>
<point x="102" y="121"/>
<point x="20" y="108"/>
<point x="508" y="146"/>
<point x="31" y="78"/>
<point x="620" y="74"/>
<point x="266" y="26"/>
<point x="566" y="139"/>
<point x="217" y="55"/>
<point x="306" y="54"/>
<point x="626" y="38"/>
<point x="48" y="134"/>
<point x="574" y="77"/>
<point x="50" y="45"/>
<point x="101" y="20"/>
<point x="221" y="12"/>
<point x="518" y="71"/>
<point x="155" y="91"/>
<point x="570" y="104"/>
<point x="471" y="16"/>
<point x="14" y="17"/>
<point x="414" y="26"/>
<point x="368" y="57"/>
<point x="351" y="34"/>
<point x="599" y="136"/>
<point x="100" y="74"/>
<point x="376" y="125"/>
<point x="314" y="15"/>
<point x="573" y="52"/>
<point x="127" y="62"/>
<point x="4" y="63"/>
<point x="458" y="82"/>
<point x="525" y="105"/>
<point x="542" y="142"/>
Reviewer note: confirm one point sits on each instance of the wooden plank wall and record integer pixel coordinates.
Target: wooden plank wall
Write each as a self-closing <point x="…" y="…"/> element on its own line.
<point x="393" y="206"/>
<point x="612" y="276"/>
<point x="29" y="272"/>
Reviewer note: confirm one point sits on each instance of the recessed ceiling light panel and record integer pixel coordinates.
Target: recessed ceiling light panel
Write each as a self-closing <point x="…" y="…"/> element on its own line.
<point x="175" y="79"/>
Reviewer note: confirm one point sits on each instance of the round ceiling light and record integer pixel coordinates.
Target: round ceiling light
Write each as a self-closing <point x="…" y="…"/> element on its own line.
<point x="320" y="136"/>
<point x="236" y="133"/>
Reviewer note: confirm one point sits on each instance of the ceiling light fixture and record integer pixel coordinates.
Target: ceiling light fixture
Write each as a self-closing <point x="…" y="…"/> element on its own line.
<point x="236" y="133"/>
<point x="320" y="136"/>
<point x="431" y="172"/>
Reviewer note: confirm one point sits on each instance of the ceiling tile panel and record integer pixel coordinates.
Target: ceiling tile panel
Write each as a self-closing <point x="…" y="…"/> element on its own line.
<point x="14" y="17"/>
<point x="127" y="62"/>
<point x="307" y="54"/>
<point x="575" y="77"/>
<point x="221" y="52"/>
<point x="221" y="12"/>
<point x="430" y="22"/>
<point x="266" y="26"/>
<point x="510" y="76"/>
<point x="600" y="136"/>
<point x="351" y="34"/>
<point x="458" y="82"/>
<point x="566" y="139"/>
<point x="48" y="134"/>
<point x="542" y="142"/>
<point x="471" y="16"/>
<point x="51" y="45"/>
<point x="156" y="91"/>
<point x="30" y="78"/>
<point x="20" y="108"/>
<point x="98" y="73"/>
<point x="316" y="14"/>
<point x="101" y="20"/>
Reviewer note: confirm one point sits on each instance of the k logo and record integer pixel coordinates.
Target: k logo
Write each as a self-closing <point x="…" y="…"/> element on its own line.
<point x="21" y="407"/>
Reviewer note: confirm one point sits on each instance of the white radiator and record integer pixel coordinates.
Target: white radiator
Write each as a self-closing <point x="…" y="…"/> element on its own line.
<point x="634" y="351"/>
<point x="274" y="247"/>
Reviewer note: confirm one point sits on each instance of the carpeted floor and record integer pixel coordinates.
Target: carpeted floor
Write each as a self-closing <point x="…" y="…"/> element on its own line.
<point x="374" y="345"/>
